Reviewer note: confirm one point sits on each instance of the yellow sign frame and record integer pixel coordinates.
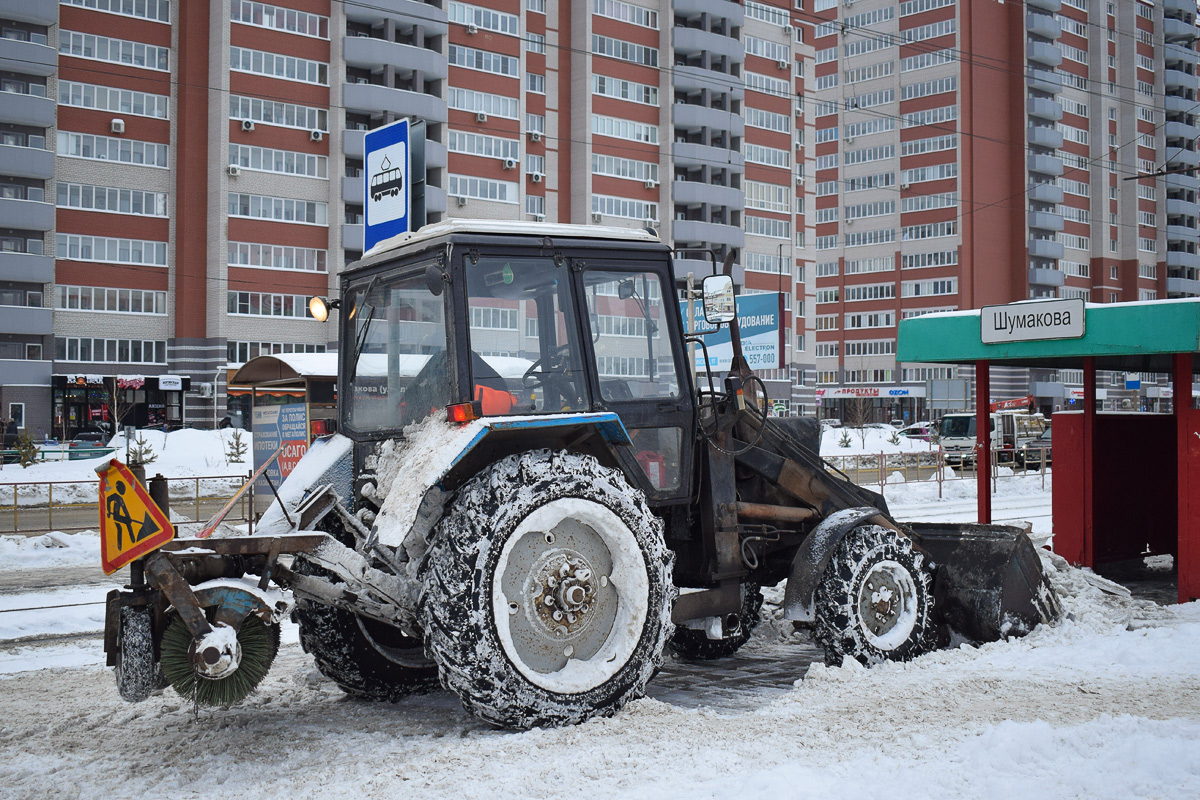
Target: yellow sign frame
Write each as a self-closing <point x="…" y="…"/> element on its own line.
<point x="129" y="510"/>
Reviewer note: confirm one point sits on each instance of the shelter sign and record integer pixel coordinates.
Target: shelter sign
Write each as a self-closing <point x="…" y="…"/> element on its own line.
<point x="275" y="428"/>
<point x="758" y="318"/>
<point x="131" y="524"/>
<point x="1035" y="320"/>
<point x="387" y="184"/>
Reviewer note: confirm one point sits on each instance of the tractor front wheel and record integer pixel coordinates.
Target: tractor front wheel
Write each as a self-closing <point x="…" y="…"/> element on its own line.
<point x="875" y="600"/>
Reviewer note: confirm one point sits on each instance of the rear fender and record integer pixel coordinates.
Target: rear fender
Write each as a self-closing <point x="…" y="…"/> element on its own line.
<point x="813" y="557"/>
<point x="413" y="504"/>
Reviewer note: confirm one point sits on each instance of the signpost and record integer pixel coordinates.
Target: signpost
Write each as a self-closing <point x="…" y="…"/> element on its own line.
<point x="758" y="317"/>
<point x="131" y="524"/>
<point x="387" y="183"/>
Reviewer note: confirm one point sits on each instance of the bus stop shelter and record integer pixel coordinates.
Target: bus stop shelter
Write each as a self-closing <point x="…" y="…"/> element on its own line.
<point x="1125" y="485"/>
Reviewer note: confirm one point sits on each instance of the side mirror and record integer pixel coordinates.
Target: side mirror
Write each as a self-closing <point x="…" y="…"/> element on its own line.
<point x="718" y="299"/>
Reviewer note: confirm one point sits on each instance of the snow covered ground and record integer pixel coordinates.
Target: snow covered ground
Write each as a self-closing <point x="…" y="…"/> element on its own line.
<point x="1105" y="704"/>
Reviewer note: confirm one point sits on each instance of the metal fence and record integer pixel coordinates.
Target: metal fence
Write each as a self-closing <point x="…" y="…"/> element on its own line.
<point x="877" y="469"/>
<point x="42" y="506"/>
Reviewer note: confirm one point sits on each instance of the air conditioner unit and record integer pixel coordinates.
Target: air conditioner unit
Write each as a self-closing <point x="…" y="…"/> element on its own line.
<point x="316" y="136"/>
<point x="536" y="177"/>
<point x="904" y="185"/>
<point x="799" y="180"/>
<point x="539" y="217"/>
<point x="782" y="64"/>
<point x="651" y="184"/>
<point x="481" y="117"/>
<point x="117" y="125"/>
<point x="849" y="140"/>
<point x="595" y="216"/>
<point x="510" y="163"/>
<point x="247" y="124"/>
<point x="462" y="201"/>
<point x="205" y="389"/>
<point x="472" y="28"/>
<point x="234" y="170"/>
<point x="362" y="81"/>
<point x="788" y="29"/>
<point x="535" y="136"/>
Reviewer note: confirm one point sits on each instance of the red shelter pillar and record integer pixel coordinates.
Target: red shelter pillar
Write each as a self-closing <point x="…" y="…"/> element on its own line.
<point x="1187" y="454"/>
<point x="1089" y="460"/>
<point x="983" y="441"/>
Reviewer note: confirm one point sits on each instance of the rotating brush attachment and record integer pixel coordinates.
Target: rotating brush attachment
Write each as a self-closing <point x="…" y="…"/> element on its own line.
<point x="259" y="644"/>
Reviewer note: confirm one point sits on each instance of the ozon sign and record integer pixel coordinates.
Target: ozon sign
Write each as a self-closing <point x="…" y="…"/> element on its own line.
<point x="1032" y="321"/>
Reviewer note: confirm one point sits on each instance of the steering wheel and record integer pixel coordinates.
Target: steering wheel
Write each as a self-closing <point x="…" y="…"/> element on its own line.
<point x="554" y="364"/>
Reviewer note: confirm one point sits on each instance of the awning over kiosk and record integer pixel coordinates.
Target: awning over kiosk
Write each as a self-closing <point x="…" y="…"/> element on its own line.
<point x="1124" y="483"/>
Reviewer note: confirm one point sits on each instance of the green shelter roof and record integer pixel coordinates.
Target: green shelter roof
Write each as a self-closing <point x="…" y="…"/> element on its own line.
<point x="1129" y="337"/>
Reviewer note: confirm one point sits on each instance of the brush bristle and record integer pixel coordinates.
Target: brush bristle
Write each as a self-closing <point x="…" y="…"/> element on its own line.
<point x="259" y="642"/>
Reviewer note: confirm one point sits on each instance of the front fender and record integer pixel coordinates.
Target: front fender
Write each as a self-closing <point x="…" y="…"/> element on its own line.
<point x="813" y="557"/>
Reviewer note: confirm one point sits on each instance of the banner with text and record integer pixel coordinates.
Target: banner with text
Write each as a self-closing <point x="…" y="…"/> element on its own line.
<point x="759" y="320"/>
<point x="274" y="427"/>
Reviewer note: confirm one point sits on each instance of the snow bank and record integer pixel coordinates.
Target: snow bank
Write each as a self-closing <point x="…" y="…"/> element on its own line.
<point x="56" y="549"/>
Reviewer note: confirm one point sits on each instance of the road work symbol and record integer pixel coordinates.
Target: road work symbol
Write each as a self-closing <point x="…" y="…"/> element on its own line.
<point x="131" y="524"/>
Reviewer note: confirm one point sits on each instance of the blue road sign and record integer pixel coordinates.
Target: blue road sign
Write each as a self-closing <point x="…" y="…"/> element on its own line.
<point x="387" y="184"/>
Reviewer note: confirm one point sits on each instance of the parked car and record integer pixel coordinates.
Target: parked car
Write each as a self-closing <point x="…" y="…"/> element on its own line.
<point x="1031" y="454"/>
<point x="89" y="444"/>
<point x="919" y="430"/>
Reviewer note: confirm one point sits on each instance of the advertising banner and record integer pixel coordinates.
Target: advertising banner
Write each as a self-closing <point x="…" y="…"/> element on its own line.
<point x="759" y="317"/>
<point x="276" y="427"/>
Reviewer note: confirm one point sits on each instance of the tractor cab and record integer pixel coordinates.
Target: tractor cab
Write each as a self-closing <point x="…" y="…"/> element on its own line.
<point x="521" y="320"/>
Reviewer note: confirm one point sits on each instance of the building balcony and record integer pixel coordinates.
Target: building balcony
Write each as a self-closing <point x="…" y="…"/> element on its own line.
<point x="26" y="267"/>
<point x="1043" y="25"/>
<point x="403" y="12"/>
<point x="435" y="155"/>
<point x="1045" y="137"/>
<point x="24" y="372"/>
<point x="26" y="109"/>
<point x="1177" y="30"/>
<point x="699" y="267"/>
<point x="1188" y="234"/>
<point x="1046" y="221"/>
<point x="1186" y="8"/>
<point x="1045" y="165"/>
<point x="435" y="200"/>
<point x="1177" y="53"/>
<point x="1044" y="108"/>
<point x="696" y="118"/>
<point x="718" y="9"/>
<point x="27" y="58"/>
<point x="1179" y="104"/>
<point x="694" y="40"/>
<point x="698" y="79"/>
<point x="1182" y="158"/>
<point x="352" y="237"/>
<point x="1178" y="80"/>
<point x="1043" y="53"/>
<point x="369" y="53"/>
<point x="352" y="191"/>
<point x="39" y="12"/>
<point x="1045" y="193"/>
<point x="695" y="193"/>
<point x="26" y="162"/>
<point x="1182" y="208"/>
<point x="1045" y="248"/>
<point x="352" y="144"/>
<point x="698" y="232"/>
<point x="1182" y="182"/>
<point x="1181" y="130"/>
<point x="373" y="99"/>
<point x="1180" y="259"/>
<point x="26" y="320"/>
<point x="29" y="215"/>
<point x="1183" y="286"/>
<point x="1049" y="6"/>
<point x="1043" y="80"/>
<point x="1046" y="277"/>
<point x="703" y="155"/>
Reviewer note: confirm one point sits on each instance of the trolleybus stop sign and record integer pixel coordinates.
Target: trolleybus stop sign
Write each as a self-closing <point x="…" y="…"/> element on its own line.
<point x="387" y="186"/>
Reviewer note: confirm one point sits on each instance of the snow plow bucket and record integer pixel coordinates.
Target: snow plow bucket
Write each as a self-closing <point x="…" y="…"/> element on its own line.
<point x="988" y="579"/>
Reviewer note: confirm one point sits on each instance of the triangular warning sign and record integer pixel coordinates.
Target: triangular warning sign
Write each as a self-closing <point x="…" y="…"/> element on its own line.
<point x="131" y="524"/>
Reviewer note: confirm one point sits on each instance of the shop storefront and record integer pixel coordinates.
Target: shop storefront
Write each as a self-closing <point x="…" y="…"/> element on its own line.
<point x="95" y="401"/>
<point x="867" y="404"/>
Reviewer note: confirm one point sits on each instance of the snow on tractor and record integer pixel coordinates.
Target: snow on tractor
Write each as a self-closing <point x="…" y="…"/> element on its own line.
<point x="530" y="499"/>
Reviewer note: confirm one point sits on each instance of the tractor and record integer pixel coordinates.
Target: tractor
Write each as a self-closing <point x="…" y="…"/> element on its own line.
<point x="534" y="494"/>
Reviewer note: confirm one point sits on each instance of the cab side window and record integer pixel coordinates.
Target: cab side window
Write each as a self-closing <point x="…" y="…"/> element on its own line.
<point x="628" y="325"/>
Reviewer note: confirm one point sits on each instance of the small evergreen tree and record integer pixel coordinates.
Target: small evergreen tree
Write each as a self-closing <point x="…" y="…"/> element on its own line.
<point x="236" y="448"/>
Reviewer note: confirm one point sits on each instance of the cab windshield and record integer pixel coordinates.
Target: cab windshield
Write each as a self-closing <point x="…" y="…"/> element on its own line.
<point x="957" y="427"/>
<point x="394" y="351"/>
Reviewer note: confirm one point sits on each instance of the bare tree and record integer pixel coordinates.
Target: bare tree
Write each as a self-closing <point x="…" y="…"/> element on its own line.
<point x="119" y="402"/>
<point x="859" y="413"/>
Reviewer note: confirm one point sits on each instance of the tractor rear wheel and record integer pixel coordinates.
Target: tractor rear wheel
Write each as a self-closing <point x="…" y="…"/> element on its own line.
<point x="138" y="674"/>
<point x="693" y="643"/>
<point x="365" y="658"/>
<point x="875" y="600"/>
<point x="546" y="593"/>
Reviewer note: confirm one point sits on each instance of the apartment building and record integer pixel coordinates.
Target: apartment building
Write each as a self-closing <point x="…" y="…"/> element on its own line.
<point x="970" y="152"/>
<point x="178" y="177"/>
